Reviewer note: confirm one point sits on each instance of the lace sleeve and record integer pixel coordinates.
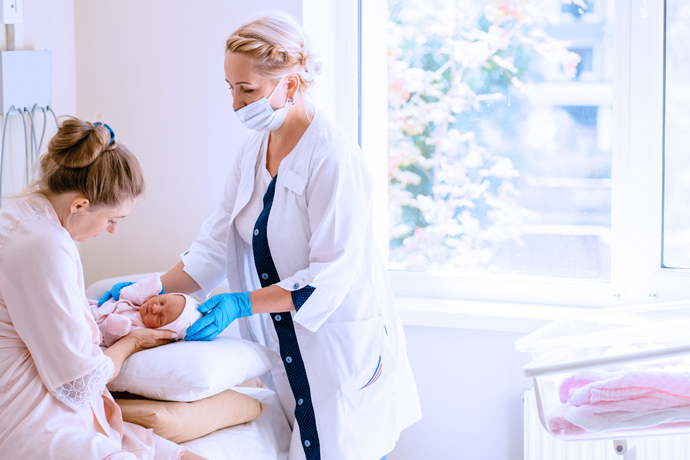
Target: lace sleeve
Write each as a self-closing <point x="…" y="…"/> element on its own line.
<point x="81" y="393"/>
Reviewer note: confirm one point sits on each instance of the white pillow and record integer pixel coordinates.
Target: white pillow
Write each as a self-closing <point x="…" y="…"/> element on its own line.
<point x="189" y="371"/>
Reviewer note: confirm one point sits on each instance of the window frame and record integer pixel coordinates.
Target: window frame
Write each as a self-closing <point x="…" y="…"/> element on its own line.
<point x="637" y="163"/>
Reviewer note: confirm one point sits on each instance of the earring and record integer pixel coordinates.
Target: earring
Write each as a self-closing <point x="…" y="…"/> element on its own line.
<point x="291" y="101"/>
<point x="73" y="215"/>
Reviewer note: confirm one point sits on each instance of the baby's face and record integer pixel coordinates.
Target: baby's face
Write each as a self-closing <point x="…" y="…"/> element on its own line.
<point x="160" y="310"/>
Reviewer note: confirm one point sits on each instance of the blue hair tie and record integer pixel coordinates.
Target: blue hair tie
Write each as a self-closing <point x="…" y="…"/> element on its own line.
<point x="112" y="133"/>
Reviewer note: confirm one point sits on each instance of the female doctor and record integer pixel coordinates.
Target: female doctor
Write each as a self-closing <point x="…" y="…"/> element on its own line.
<point x="293" y="236"/>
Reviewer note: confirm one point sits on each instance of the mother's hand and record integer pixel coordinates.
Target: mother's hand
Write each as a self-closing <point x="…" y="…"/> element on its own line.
<point x="136" y="340"/>
<point x="150" y="338"/>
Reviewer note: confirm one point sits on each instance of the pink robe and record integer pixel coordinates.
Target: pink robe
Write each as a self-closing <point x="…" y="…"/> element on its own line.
<point x="49" y="350"/>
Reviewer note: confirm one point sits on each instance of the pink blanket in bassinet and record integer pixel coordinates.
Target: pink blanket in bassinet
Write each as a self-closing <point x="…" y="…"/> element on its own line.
<point x="600" y="400"/>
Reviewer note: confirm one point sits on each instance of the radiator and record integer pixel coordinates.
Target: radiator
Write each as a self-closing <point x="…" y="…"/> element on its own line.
<point x="540" y="445"/>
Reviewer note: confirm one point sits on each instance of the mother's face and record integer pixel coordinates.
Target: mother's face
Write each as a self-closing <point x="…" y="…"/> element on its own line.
<point x="246" y="84"/>
<point x="90" y="222"/>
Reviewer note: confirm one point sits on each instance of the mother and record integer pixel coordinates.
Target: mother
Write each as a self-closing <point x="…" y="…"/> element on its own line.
<point x="294" y="232"/>
<point x="53" y="399"/>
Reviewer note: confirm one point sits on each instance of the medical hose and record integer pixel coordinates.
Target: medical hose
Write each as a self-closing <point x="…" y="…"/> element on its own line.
<point x="34" y="144"/>
<point x="43" y="132"/>
<point x="2" y="149"/>
<point x="32" y="147"/>
<point x="26" y="144"/>
<point x="54" y="116"/>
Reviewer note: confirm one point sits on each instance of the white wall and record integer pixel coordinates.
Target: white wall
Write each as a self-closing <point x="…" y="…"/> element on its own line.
<point x="47" y="24"/>
<point x="470" y="387"/>
<point x="154" y="70"/>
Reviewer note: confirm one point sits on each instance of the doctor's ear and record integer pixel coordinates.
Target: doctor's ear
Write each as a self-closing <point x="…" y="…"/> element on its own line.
<point x="292" y="82"/>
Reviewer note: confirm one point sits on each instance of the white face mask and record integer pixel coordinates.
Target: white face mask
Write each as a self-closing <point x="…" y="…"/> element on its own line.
<point x="260" y="116"/>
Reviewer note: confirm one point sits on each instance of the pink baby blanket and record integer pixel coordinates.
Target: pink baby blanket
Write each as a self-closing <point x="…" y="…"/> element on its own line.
<point x="633" y="397"/>
<point x="116" y="319"/>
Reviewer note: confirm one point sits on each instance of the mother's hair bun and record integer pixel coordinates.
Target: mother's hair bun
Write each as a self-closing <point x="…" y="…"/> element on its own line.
<point x="78" y="143"/>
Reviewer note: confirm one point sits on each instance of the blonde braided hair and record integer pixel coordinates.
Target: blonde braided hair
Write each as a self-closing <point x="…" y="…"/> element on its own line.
<point x="278" y="45"/>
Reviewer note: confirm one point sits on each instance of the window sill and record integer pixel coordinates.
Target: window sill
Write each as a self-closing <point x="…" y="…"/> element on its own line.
<point x="479" y="315"/>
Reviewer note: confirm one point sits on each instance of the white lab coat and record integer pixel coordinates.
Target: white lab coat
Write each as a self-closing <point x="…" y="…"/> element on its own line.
<point x="320" y="234"/>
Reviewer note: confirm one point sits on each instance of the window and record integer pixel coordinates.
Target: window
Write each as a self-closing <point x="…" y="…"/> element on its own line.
<point x="677" y="141"/>
<point x="498" y="159"/>
<point x="543" y="180"/>
<point x="577" y="8"/>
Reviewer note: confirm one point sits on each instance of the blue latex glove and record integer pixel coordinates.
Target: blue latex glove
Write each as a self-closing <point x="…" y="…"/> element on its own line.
<point x="220" y="310"/>
<point x="114" y="292"/>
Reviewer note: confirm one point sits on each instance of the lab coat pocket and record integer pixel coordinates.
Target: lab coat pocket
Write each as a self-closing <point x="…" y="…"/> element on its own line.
<point x="365" y="363"/>
<point x="294" y="182"/>
<point x="288" y="226"/>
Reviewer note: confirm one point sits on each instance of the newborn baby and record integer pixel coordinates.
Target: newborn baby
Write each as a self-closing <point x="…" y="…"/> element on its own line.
<point x="139" y="306"/>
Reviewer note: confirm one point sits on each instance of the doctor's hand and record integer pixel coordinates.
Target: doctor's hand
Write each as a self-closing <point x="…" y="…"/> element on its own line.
<point x="114" y="292"/>
<point x="220" y="310"/>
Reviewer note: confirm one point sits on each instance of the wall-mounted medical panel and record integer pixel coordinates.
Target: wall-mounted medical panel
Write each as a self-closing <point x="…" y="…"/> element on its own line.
<point x="25" y="79"/>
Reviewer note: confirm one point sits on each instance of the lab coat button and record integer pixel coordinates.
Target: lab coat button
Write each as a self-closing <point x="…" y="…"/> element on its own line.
<point x="256" y="231"/>
<point x="295" y="286"/>
<point x="277" y="317"/>
<point x="264" y="276"/>
<point x="300" y="401"/>
<point x="307" y="443"/>
<point x="288" y="360"/>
